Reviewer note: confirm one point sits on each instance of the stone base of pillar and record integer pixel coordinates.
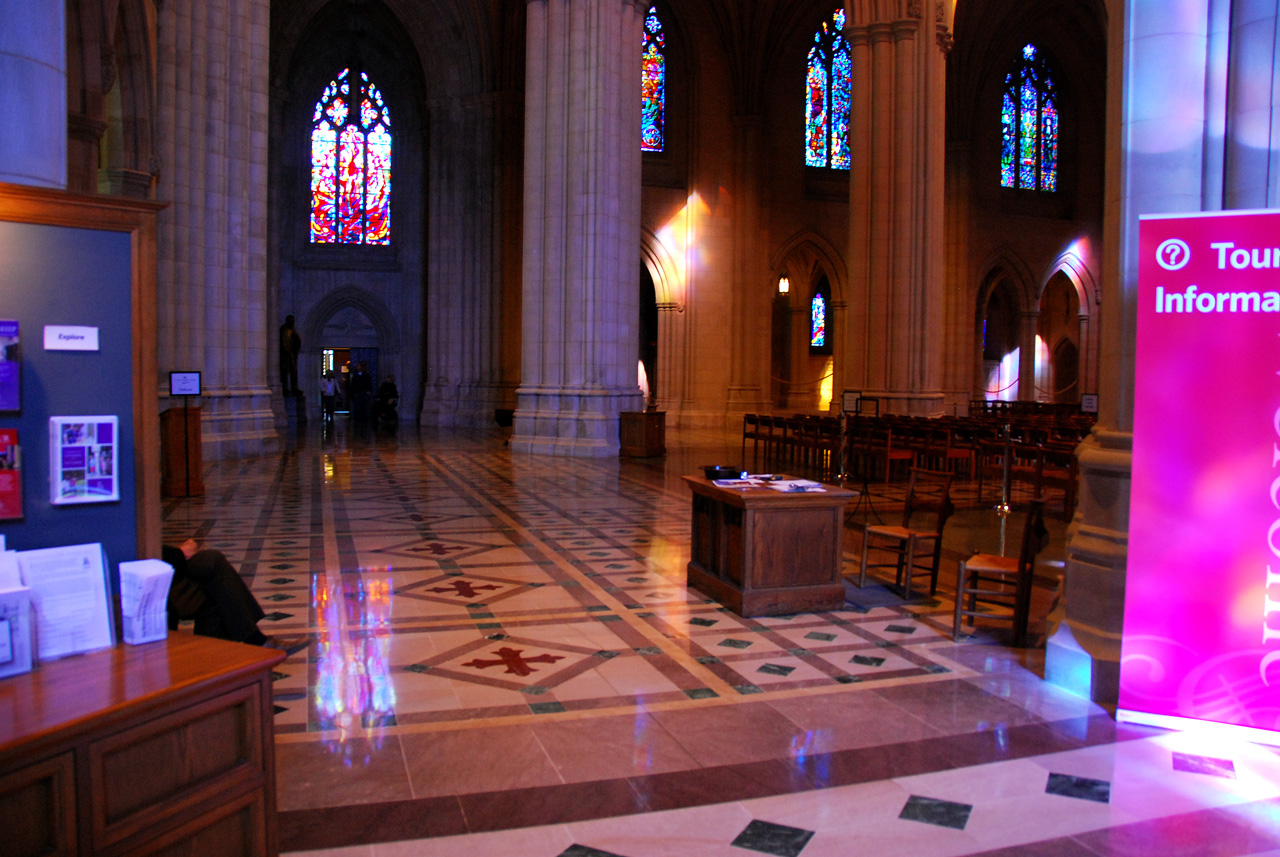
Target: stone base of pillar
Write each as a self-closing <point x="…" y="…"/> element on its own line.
<point x="1083" y="650"/>
<point x="235" y="423"/>
<point x="580" y="422"/>
<point x="746" y="400"/>
<point x="463" y="405"/>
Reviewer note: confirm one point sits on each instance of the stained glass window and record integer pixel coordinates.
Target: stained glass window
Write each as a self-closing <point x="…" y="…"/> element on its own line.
<point x="818" y="321"/>
<point x="1029" y="125"/>
<point x="351" y="164"/>
<point x="827" y="89"/>
<point x="653" y="85"/>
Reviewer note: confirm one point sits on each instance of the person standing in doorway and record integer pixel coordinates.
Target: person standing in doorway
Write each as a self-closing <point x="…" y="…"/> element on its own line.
<point x="328" y="395"/>
<point x="290" y="347"/>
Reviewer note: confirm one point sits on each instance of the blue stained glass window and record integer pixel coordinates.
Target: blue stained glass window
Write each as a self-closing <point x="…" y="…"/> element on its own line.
<point x="818" y="321"/>
<point x="1029" y="125"/>
<point x="828" y="86"/>
<point x="653" y="85"/>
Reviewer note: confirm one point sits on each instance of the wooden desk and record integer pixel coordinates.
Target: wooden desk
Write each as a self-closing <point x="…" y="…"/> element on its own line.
<point x="165" y="748"/>
<point x="762" y="552"/>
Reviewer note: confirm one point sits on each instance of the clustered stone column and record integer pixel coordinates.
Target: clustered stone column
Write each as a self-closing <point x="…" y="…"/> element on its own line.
<point x="580" y="338"/>
<point x="896" y="205"/>
<point x="33" y="59"/>
<point x="212" y="147"/>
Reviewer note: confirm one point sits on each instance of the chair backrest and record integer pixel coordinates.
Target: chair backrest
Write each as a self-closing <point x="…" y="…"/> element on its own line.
<point x="1034" y="535"/>
<point x="929" y="491"/>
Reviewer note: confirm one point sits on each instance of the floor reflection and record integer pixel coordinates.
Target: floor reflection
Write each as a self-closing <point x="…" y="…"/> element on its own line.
<point x="353" y="689"/>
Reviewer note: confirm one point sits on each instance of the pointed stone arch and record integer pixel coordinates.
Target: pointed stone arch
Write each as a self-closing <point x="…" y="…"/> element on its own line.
<point x="367" y="303"/>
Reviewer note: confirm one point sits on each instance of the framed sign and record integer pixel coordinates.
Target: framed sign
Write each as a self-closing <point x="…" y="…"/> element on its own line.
<point x="83" y="453"/>
<point x="1202" y="595"/>
<point x="184" y="383"/>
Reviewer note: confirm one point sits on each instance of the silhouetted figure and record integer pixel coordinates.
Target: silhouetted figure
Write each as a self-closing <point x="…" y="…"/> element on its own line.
<point x="290" y="347"/>
<point x="361" y="389"/>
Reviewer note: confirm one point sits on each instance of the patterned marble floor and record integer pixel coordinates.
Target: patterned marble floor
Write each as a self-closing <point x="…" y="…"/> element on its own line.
<point x="496" y="654"/>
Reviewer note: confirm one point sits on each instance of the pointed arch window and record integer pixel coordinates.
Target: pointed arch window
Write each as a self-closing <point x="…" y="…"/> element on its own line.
<point x="653" y="85"/>
<point x="1029" y="125"/>
<point x="351" y="163"/>
<point x="828" y="86"/>
<point x="818" y="321"/>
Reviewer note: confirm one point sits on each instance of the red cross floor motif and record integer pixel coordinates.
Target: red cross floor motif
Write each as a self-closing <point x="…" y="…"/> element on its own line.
<point x="437" y="548"/>
<point x="515" y="661"/>
<point x="464" y="588"/>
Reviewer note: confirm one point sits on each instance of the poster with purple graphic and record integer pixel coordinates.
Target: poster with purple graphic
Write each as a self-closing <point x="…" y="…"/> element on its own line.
<point x="1202" y="601"/>
<point x="82" y="460"/>
<point x="10" y="367"/>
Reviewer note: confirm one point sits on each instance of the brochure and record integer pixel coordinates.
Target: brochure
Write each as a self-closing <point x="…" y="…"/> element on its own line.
<point x="10" y="367"/>
<point x="10" y="475"/>
<point x="82" y="459"/>
<point x="144" y="593"/>
<point x="69" y="593"/>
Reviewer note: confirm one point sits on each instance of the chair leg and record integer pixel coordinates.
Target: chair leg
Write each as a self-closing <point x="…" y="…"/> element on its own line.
<point x="960" y="587"/>
<point x="910" y="560"/>
<point x="862" y="576"/>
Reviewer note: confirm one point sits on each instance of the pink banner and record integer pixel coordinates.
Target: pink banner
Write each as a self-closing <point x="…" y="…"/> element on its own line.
<point x="1201" y="628"/>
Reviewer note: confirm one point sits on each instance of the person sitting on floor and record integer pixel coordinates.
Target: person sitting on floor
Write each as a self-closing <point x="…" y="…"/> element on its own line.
<point x="207" y="589"/>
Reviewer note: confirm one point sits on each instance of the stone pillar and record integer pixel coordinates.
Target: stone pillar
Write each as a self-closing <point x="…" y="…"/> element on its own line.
<point x="1160" y="147"/>
<point x="212" y="146"/>
<point x="1027" y="381"/>
<point x="33" y="64"/>
<point x="580" y="341"/>
<point x="748" y="378"/>
<point x="896" y="206"/>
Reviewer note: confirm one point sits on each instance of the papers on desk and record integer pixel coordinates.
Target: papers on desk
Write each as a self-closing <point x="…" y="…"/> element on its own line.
<point x="144" y="594"/>
<point x="69" y="593"/>
<point x="768" y="480"/>
<point x="806" y="486"/>
<point x="15" y="618"/>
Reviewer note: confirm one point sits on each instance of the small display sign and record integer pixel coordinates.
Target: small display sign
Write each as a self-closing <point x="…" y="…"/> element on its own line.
<point x="62" y="337"/>
<point x="184" y="383"/>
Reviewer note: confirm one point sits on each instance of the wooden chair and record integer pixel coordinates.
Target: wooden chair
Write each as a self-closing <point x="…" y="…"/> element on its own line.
<point x="1002" y="581"/>
<point x="1059" y="470"/>
<point x="916" y="550"/>
<point x="751" y="431"/>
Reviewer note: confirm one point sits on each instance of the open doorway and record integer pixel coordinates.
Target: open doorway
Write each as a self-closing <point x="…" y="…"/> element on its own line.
<point x="342" y="362"/>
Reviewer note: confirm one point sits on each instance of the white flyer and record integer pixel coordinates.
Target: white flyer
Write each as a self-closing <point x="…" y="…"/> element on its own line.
<point x="69" y="593"/>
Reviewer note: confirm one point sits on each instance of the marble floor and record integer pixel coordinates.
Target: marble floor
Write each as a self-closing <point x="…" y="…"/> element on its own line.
<point x="495" y="654"/>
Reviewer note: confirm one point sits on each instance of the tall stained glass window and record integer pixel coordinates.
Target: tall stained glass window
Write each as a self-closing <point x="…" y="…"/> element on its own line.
<point x="653" y="85"/>
<point x="827" y="93"/>
<point x="818" y="321"/>
<point x="351" y="164"/>
<point x="1029" y="125"/>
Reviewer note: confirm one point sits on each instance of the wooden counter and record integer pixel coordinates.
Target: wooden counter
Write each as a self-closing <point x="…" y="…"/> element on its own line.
<point x="762" y="552"/>
<point x="165" y="747"/>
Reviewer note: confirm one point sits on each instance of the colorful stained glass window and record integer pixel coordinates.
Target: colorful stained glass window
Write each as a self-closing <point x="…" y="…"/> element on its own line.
<point x="351" y="164"/>
<point x="818" y="321"/>
<point x="1029" y="125"/>
<point x="827" y="93"/>
<point x="653" y="85"/>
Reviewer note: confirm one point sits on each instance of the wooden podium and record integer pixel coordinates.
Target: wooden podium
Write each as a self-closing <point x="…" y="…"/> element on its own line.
<point x="762" y="552"/>
<point x="182" y="462"/>
<point x="642" y="434"/>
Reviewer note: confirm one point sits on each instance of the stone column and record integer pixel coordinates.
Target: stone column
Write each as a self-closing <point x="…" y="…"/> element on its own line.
<point x="580" y="342"/>
<point x="1160" y="147"/>
<point x="1027" y="381"/>
<point x="748" y="378"/>
<point x="212" y="145"/>
<point x="33" y="63"/>
<point x="896" y="305"/>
